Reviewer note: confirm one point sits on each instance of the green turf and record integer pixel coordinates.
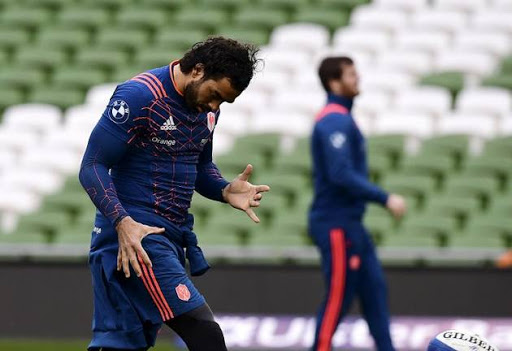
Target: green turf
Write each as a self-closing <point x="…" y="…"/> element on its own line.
<point x="52" y="345"/>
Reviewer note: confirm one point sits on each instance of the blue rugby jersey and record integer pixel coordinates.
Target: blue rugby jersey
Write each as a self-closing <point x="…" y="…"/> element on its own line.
<point x="340" y="170"/>
<point x="149" y="152"/>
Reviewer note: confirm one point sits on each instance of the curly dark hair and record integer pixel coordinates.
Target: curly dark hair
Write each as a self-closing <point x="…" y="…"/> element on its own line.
<point x="223" y="57"/>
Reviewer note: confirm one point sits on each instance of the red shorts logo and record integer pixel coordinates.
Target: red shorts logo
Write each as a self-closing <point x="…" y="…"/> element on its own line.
<point x="183" y="292"/>
<point x="355" y="262"/>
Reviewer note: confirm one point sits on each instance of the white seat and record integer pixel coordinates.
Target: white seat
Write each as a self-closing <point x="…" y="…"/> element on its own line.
<point x="100" y="94"/>
<point x="223" y="143"/>
<point x="269" y="81"/>
<point x="306" y="36"/>
<point x="449" y="21"/>
<point x="57" y="160"/>
<point x="74" y="140"/>
<point x="13" y="203"/>
<point x="19" y="141"/>
<point x="493" y="20"/>
<point x="461" y="5"/>
<point x="7" y="159"/>
<point x="414" y="62"/>
<point x="37" y="117"/>
<point x="501" y="4"/>
<point x="288" y="60"/>
<point x="307" y="80"/>
<point x="492" y="42"/>
<point x="472" y="62"/>
<point x="493" y="101"/>
<point x="33" y="179"/>
<point x="301" y="101"/>
<point x="371" y="102"/>
<point x="352" y="38"/>
<point x="431" y="100"/>
<point x="233" y="120"/>
<point x="248" y="100"/>
<point x="506" y="125"/>
<point x="480" y="125"/>
<point x="83" y="117"/>
<point x="364" y="122"/>
<point x="282" y="121"/>
<point x="427" y="40"/>
<point x="373" y="17"/>
<point x="387" y="81"/>
<point x="406" y="5"/>
<point x="360" y="58"/>
<point x="395" y="122"/>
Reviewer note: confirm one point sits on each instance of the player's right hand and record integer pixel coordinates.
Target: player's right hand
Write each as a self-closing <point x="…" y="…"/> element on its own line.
<point x="396" y="205"/>
<point x="130" y="234"/>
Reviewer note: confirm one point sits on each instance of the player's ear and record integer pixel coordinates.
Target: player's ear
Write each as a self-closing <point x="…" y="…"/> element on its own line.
<point x="335" y="86"/>
<point x="198" y="71"/>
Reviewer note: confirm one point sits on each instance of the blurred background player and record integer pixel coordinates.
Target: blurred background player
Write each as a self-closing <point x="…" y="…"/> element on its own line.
<point x="341" y="191"/>
<point x="148" y="153"/>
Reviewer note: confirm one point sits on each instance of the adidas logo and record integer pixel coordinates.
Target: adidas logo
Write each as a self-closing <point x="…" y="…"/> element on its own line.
<point x="169" y="124"/>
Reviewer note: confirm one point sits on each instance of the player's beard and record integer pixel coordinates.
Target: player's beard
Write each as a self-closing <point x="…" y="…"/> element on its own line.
<point x="191" y="95"/>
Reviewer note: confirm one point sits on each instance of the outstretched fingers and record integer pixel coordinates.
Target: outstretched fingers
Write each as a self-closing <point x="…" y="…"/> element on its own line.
<point x="252" y="215"/>
<point x="246" y="173"/>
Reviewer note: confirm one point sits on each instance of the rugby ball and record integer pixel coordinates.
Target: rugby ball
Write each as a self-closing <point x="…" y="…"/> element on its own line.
<point x="456" y="340"/>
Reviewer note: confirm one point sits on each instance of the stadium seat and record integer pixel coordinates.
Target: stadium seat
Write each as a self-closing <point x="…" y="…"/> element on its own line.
<point x="40" y="182"/>
<point x="496" y="166"/>
<point x="124" y="73"/>
<point x="372" y="102"/>
<point x="467" y="61"/>
<point x="440" y="227"/>
<point x="379" y="164"/>
<point x="24" y="17"/>
<point x="461" y="5"/>
<point x="455" y="145"/>
<point x="453" y="81"/>
<point x="477" y="241"/>
<point x="499" y="80"/>
<point x="378" y="18"/>
<point x="234" y="163"/>
<point x="111" y="5"/>
<point x="445" y="20"/>
<point x="61" y="37"/>
<point x="312" y="37"/>
<point x="498" y="147"/>
<point x="158" y="56"/>
<point x="493" y="19"/>
<point x="54" y="5"/>
<point x="229" y="226"/>
<point x="407" y="123"/>
<point x="256" y="37"/>
<point x="83" y="117"/>
<point x="430" y="41"/>
<point x="406" y="5"/>
<point x="467" y="123"/>
<point x="343" y="4"/>
<point x="100" y="94"/>
<point x="122" y="38"/>
<point x="492" y="42"/>
<point x="191" y="17"/>
<point x="506" y="65"/>
<point x="500" y="206"/>
<point x="479" y="186"/>
<point x="83" y="17"/>
<point x="267" y="144"/>
<point x="435" y="165"/>
<point x="22" y="77"/>
<point x="142" y="17"/>
<point x="484" y="100"/>
<point x="13" y="37"/>
<point x="178" y="38"/>
<point x="387" y="81"/>
<point x="288" y="230"/>
<point x="392" y="145"/>
<point x="58" y="96"/>
<point x="328" y="17"/>
<point x="291" y="124"/>
<point x="285" y="60"/>
<point x="170" y="5"/>
<point x="104" y="58"/>
<point x="13" y="202"/>
<point x="301" y="101"/>
<point x="259" y="18"/>
<point x="409" y="61"/>
<point x="501" y="4"/>
<point x="373" y="41"/>
<point x="431" y="100"/>
<point x="40" y="57"/>
<point x="32" y="117"/>
<point x="76" y="78"/>
<point x="10" y="96"/>
<point x="228" y="5"/>
<point x="408" y="241"/>
<point x="418" y="186"/>
<point x="72" y="203"/>
<point x="286" y="5"/>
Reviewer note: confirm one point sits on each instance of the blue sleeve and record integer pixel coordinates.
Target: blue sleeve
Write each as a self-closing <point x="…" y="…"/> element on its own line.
<point x="108" y="143"/>
<point x="336" y="145"/>
<point x="209" y="181"/>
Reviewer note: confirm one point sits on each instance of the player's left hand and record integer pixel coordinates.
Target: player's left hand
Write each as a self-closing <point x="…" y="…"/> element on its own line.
<point x="243" y="195"/>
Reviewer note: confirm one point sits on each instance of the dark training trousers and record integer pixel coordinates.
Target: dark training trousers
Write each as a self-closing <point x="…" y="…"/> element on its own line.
<point x="351" y="268"/>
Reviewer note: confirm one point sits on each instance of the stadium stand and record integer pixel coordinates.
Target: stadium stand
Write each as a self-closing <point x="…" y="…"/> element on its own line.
<point x="436" y="106"/>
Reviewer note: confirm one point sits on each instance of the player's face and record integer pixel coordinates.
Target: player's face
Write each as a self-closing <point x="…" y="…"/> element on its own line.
<point x="350" y="81"/>
<point x="207" y="95"/>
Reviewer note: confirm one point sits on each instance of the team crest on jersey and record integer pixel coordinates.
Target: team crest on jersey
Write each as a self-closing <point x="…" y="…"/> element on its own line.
<point x="183" y="292"/>
<point x="210" y="117"/>
<point x="120" y="112"/>
<point x="337" y="140"/>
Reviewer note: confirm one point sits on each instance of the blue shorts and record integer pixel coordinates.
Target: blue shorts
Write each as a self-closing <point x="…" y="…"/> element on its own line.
<point x="128" y="312"/>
